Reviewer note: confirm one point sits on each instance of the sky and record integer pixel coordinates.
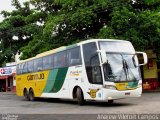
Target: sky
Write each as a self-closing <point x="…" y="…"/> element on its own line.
<point x="6" y="5"/>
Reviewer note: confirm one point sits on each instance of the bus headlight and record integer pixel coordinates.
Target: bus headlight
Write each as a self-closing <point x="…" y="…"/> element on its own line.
<point x="110" y="87"/>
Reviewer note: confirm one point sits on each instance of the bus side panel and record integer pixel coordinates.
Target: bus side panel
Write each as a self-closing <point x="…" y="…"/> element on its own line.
<point x="57" y="85"/>
<point x="70" y="77"/>
<point x="40" y="83"/>
<point x="75" y="79"/>
<point x="20" y="84"/>
<point x="36" y="81"/>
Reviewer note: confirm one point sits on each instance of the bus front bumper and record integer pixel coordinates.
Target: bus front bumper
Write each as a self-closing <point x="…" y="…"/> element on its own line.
<point x="109" y="94"/>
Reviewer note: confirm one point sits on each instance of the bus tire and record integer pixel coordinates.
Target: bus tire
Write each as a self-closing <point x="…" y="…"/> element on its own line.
<point x="80" y="97"/>
<point x="31" y="95"/>
<point x="110" y="101"/>
<point x="25" y="93"/>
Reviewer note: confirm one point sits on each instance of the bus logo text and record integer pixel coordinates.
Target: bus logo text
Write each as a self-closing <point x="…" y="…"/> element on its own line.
<point x="35" y="77"/>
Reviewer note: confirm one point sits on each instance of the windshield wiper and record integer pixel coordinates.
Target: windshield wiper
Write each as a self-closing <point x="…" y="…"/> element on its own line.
<point x="125" y="68"/>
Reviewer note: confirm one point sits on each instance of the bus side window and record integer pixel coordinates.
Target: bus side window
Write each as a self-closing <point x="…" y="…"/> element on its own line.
<point x="74" y="56"/>
<point x="48" y="62"/>
<point x="24" y="67"/>
<point x="30" y="66"/>
<point x="38" y="66"/>
<point x="60" y="60"/>
<point x="18" y="69"/>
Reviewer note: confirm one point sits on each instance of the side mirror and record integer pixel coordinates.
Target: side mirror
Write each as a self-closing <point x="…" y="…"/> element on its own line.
<point x="145" y="59"/>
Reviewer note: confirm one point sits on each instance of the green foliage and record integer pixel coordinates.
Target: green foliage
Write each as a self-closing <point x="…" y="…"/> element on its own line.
<point x="17" y="23"/>
<point x="63" y="22"/>
<point x="141" y="27"/>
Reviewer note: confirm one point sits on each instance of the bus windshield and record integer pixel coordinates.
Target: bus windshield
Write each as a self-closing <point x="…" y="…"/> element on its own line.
<point x="117" y="46"/>
<point x="121" y="67"/>
<point x="121" y="61"/>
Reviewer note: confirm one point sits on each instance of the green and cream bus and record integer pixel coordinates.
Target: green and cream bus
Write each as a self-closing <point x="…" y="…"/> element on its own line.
<point x="96" y="69"/>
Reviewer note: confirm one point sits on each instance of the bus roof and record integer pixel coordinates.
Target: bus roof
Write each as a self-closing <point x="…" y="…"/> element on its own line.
<point x="95" y="40"/>
<point x="67" y="47"/>
<point x="44" y="54"/>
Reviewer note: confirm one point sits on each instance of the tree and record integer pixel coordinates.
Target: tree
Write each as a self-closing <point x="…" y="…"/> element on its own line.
<point x="17" y="29"/>
<point x="138" y="23"/>
<point x="69" y="21"/>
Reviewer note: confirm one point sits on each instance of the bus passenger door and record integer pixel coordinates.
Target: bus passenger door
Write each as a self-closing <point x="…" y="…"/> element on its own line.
<point x="93" y="71"/>
<point x="95" y="82"/>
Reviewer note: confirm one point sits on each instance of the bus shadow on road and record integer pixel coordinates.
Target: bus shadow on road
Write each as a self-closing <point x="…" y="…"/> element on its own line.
<point x="105" y="104"/>
<point x="87" y="103"/>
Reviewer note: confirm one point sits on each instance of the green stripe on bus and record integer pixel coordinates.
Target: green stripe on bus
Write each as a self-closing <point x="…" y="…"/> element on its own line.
<point x="60" y="77"/>
<point x="51" y="80"/>
<point x="55" y="80"/>
<point x="133" y="84"/>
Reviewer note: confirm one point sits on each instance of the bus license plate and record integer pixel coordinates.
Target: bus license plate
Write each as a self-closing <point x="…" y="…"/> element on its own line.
<point x="127" y="93"/>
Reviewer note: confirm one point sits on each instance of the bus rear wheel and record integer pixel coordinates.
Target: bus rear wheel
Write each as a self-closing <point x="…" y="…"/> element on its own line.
<point x="80" y="97"/>
<point x="31" y="95"/>
<point x="25" y="93"/>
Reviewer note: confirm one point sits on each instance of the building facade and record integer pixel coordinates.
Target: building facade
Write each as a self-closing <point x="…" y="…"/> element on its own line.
<point x="7" y="78"/>
<point x="151" y="73"/>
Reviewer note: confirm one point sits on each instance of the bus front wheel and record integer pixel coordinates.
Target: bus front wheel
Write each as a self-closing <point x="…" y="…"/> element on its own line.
<point x="31" y="95"/>
<point x="80" y="98"/>
<point x="110" y="101"/>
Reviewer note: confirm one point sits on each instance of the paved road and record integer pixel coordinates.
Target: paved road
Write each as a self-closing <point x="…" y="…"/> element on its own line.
<point x="149" y="103"/>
